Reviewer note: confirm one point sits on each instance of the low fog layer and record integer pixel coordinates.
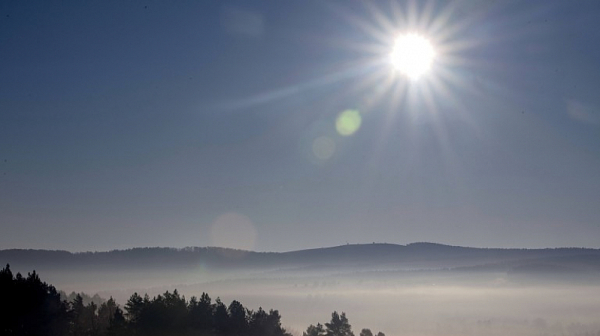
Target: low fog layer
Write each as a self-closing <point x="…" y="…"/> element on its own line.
<point x="419" y="289"/>
<point x="435" y="309"/>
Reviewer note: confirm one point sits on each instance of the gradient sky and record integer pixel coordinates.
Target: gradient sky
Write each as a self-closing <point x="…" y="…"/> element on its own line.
<point x="198" y="123"/>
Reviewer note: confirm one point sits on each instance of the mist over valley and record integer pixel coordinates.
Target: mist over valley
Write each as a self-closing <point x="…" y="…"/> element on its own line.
<point x="414" y="289"/>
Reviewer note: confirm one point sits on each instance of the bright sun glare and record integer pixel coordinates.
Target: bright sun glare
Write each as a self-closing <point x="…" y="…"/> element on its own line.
<point x="412" y="55"/>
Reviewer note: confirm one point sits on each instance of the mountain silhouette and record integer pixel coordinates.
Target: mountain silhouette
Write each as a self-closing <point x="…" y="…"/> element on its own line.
<point x="415" y="256"/>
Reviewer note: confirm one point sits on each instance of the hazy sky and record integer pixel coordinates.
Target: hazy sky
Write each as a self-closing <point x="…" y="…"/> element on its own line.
<point x="132" y="123"/>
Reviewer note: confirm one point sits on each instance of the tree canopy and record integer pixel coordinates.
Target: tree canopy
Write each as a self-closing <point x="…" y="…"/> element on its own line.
<point x="338" y="326"/>
<point x="32" y="307"/>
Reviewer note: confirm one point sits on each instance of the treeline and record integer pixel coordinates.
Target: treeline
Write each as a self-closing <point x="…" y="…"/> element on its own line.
<point x="86" y="298"/>
<point x="338" y="326"/>
<point x="32" y="307"/>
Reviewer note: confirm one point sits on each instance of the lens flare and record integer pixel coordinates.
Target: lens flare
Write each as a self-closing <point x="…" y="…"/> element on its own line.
<point x="348" y="122"/>
<point x="323" y="147"/>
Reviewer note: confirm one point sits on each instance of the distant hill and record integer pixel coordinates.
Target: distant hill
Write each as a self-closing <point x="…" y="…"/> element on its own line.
<point x="416" y="256"/>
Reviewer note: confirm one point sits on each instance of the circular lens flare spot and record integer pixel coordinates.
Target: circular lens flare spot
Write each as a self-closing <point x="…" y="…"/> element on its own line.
<point x="412" y="55"/>
<point x="323" y="147"/>
<point x="348" y="122"/>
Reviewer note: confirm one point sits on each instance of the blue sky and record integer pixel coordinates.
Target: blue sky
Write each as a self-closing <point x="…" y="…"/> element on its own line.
<point x="203" y="123"/>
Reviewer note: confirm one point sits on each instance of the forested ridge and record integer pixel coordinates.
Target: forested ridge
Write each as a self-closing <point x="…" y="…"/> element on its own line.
<point x="32" y="307"/>
<point x="376" y="255"/>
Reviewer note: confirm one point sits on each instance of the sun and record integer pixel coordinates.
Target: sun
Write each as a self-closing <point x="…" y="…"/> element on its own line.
<point x="412" y="55"/>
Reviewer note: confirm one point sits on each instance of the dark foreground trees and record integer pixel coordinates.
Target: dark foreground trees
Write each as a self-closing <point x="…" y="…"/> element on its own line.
<point x="31" y="307"/>
<point x="171" y="314"/>
<point x="338" y="326"/>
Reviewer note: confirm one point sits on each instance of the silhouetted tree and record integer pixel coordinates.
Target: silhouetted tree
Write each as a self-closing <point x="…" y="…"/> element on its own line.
<point x="6" y="276"/>
<point x="84" y="321"/>
<point x="263" y="324"/>
<point x="175" y="311"/>
<point x="313" y="330"/>
<point x="30" y="306"/>
<point x="338" y="326"/>
<point x="117" y="325"/>
<point x="154" y="317"/>
<point x="366" y="332"/>
<point x="106" y="314"/>
<point x="86" y="298"/>
<point x="237" y="318"/>
<point x="200" y="313"/>
<point x="220" y="317"/>
<point x="134" y="307"/>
